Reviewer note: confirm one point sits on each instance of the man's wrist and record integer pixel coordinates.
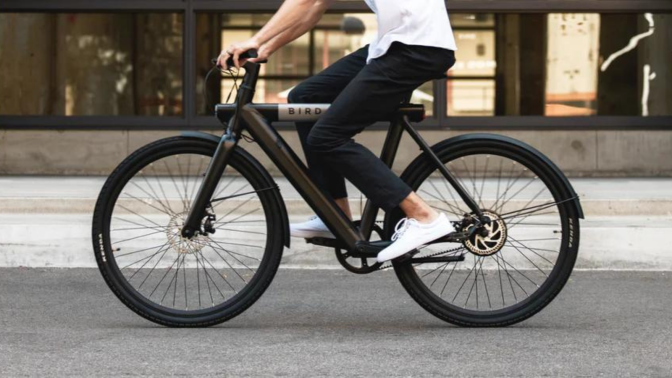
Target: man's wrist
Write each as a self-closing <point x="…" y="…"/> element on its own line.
<point x="256" y="41"/>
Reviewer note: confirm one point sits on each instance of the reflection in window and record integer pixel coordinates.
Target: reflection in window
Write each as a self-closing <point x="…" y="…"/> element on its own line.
<point x="332" y="42"/>
<point x="571" y="79"/>
<point x="90" y="64"/>
<point x="268" y="91"/>
<point x="471" y="81"/>
<point x="562" y="65"/>
<point x="477" y="53"/>
<point x="471" y="97"/>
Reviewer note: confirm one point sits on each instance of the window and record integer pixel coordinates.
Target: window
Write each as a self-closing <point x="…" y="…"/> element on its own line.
<point x="90" y="64"/>
<point x="470" y="88"/>
<point x="562" y="64"/>
<point x="83" y="67"/>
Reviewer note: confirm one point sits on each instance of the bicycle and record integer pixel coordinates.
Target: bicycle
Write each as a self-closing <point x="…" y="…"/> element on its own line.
<point x="181" y="243"/>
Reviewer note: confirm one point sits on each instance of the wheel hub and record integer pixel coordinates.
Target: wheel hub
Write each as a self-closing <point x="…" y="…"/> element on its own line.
<point x="489" y="238"/>
<point x="180" y="243"/>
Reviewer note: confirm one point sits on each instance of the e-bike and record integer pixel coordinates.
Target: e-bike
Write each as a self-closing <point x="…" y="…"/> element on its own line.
<point x="190" y="230"/>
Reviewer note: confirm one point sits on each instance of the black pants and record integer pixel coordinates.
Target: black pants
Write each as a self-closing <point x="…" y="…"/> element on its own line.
<point x="362" y="94"/>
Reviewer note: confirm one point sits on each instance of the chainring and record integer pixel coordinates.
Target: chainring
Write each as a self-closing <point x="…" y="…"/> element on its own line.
<point x="343" y="256"/>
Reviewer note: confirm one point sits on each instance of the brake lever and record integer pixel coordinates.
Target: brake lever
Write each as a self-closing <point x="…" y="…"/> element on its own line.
<point x="214" y="63"/>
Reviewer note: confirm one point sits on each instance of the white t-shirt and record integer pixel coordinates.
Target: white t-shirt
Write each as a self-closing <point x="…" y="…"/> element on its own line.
<point x="411" y="22"/>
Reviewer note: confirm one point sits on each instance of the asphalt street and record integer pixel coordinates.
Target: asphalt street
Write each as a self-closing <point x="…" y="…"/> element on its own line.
<point x="65" y="322"/>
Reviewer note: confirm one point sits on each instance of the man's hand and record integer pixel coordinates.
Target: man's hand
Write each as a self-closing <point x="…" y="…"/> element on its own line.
<point x="263" y="52"/>
<point x="234" y="51"/>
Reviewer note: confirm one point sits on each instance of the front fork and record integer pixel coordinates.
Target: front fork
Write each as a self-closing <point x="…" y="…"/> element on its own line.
<point x="207" y="188"/>
<point x="222" y="154"/>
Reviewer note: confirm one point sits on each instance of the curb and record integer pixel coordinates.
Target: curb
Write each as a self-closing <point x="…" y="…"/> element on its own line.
<point x="295" y="206"/>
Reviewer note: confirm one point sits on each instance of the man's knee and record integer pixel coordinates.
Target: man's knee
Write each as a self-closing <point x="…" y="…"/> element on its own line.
<point x="300" y="94"/>
<point x="318" y="143"/>
<point x="323" y="142"/>
<point x="315" y="143"/>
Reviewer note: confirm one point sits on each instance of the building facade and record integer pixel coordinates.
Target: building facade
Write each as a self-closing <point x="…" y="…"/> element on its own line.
<point x="83" y="84"/>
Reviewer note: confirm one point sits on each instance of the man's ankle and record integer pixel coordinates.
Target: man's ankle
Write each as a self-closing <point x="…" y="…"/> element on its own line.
<point x="426" y="217"/>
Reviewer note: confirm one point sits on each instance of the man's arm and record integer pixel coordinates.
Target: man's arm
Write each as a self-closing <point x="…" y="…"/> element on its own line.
<point x="308" y="22"/>
<point x="293" y="19"/>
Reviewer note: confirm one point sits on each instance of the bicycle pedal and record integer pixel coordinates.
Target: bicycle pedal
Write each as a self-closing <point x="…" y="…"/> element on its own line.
<point x="326" y="242"/>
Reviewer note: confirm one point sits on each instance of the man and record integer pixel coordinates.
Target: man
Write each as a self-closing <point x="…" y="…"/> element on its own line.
<point x="414" y="45"/>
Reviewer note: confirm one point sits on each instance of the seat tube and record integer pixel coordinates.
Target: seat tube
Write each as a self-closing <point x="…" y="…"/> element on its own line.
<point x="387" y="155"/>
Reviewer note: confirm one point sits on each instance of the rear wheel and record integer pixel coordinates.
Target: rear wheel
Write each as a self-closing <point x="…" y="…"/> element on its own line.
<point x="177" y="281"/>
<point x="519" y="262"/>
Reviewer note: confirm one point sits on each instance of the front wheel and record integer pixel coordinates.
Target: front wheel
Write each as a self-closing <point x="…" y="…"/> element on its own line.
<point x="521" y="259"/>
<point x="176" y="281"/>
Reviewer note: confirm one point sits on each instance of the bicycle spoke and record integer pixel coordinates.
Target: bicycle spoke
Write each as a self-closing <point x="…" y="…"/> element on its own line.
<point x="134" y="252"/>
<point x="154" y="197"/>
<point x="448" y="279"/>
<point x="133" y="212"/>
<point x="234" y="193"/>
<point x="196" y="181"/>
<point x="232" y="252"/>
<point x="245" y="232"/>
<point x="164" y="276"/>
<point x="220" y="274"/>
<point x="445" y="183"/>
<point x="434" y="270"/>
<point x="156" y="177"/>
<point x="227" y="263"/>
<point x="177" y="189"/>
<point x="139" y="224"/>
<point x="138" y="237"/>
<point x="531" y="262"/>
<point x="458" y="212"/>
<point x="154" y="267"/>
<point x="221" y="220"/>
<point x="147" y="257"/>
<point x="465" y="281"/>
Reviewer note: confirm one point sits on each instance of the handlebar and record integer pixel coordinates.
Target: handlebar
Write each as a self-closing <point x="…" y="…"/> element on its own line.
<point x="246" y="55"/>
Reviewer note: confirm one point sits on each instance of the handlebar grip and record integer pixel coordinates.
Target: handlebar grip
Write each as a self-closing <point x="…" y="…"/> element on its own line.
<point x="246" y="55"/>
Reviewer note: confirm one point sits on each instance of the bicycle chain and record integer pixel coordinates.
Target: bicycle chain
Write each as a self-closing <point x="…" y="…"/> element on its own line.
<point x="384" y="267"/>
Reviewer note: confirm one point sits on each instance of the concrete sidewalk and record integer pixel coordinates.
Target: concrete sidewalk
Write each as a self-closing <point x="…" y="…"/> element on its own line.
<point x="599" y="197"/>
<point x="46" y="221"/>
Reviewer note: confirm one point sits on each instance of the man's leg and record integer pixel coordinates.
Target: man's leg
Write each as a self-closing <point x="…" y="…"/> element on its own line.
<point x="324" y="88"/>
<point x="374" y="95"/>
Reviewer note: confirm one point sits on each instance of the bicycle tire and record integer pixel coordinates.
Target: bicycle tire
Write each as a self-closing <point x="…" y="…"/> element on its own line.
<point x="252" y="171"/>
<point x="419" y="171"/>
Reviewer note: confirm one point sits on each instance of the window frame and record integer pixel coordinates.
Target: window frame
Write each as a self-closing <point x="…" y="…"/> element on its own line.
<point x="190" y="120"/>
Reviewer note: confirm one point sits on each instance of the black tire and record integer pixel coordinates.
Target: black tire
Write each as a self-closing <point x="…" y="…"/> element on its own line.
<point x="565" y="213"/>
<point x="116" y="205"/>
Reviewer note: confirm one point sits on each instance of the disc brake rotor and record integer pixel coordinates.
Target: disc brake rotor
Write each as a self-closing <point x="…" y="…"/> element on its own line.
<point x="490" y="238"/>
<point x="179" y="243"/>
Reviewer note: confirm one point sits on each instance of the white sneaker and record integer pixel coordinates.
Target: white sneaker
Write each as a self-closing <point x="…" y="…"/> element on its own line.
<point x="313" y="228"/>
<point x="410" y="234"/>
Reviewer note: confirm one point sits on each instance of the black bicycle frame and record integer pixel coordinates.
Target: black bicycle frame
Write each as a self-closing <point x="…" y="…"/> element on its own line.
<point x="243" y="115"/>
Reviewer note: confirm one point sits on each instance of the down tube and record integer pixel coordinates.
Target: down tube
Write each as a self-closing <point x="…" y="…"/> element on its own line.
<point x="297" y="173"/>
